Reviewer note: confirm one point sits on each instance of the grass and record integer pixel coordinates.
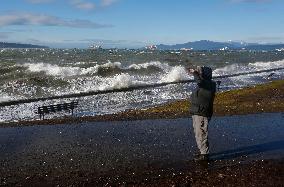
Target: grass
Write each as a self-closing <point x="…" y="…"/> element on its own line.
<point x="256" y="99"/>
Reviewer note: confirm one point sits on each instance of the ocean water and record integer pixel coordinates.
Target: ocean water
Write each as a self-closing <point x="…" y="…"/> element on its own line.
<point x="35" y="73"/>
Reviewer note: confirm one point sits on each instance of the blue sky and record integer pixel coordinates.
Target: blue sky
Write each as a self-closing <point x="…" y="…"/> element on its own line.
<point x="136" y="23"/>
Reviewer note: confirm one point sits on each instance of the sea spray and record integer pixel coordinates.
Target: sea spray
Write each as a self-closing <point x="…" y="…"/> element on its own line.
<point x="109" y="64"/>
<point x="94" y="69"/>
<point x="267" y="65"/>
<point x="119" y="81"/>
<point x="56" y="70"/>
<point x="162" y="66"/>
<point x="177" y="73"/>
<point x="6" y="97"/>
<point x="240" y="68"/>
<point x="59" y="80"/>
<point x="29" y="78"/>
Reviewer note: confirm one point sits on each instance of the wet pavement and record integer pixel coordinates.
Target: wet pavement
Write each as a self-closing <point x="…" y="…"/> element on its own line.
<point x="114" y="148"/>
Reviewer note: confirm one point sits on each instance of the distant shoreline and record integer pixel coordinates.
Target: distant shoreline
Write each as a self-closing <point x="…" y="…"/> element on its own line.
<point x="201" y="45"/>
<point x="265" y="98"/>
<point x="6" y="45"/>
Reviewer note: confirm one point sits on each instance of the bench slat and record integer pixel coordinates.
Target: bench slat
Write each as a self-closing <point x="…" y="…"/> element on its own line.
<point x="57" y="108"/>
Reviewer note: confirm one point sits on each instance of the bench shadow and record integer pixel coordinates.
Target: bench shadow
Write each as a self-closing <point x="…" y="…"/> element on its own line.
<point x="249" y="150"/>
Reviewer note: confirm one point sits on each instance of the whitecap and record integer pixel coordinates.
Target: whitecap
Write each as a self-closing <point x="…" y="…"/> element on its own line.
<point x="177" y="73"/>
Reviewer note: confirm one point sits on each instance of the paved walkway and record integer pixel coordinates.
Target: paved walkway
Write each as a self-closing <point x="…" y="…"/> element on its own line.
<point x="116" y="147"/>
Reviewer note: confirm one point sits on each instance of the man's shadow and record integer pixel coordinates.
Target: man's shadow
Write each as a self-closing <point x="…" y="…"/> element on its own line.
<point x="245" y="151"/>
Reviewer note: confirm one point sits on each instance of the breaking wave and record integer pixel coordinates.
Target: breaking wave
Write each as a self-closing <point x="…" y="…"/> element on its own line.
<point x="56" y="70"/>
<point x="177" y="73"/>
<point x="57" y="80"/>
<point x="119" y="81"/>
<point x="107" y="69"/>
<point x="47" y="79"/>
<point x="240" y="68"/>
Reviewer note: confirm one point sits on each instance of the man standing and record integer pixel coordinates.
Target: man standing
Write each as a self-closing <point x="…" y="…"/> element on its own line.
<point x="201" y="108"/>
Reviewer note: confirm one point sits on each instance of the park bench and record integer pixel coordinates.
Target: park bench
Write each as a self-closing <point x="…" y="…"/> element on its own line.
<point x="56" y="108"/>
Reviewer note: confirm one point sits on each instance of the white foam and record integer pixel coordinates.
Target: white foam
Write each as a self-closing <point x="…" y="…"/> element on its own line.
<point x="239" y="68"/>
<point x="123" y="80"/>
<point x="111" y="65"/>
<point x="56" y="70"/>
<point x="5" y="97"/>
<point x="267" y="65"/>
<point x="163" y="66"/>
<point x="251" y="79"/>
<point x="124" y="100"/>
<point x="53" y="69"/>
<point x="68" y="71"/>
<point x="177" y="73"/>
<point x="82" y="63"/>
<point x="8" y="96"/>
<point x="234" y="68"/>
<point x="18" y="112"/>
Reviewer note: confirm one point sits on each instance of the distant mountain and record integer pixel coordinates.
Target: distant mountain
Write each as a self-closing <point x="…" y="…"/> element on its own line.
<point x="17" y="45"/>
<point x="270" y="47"/>
<point x="211" y="45"/>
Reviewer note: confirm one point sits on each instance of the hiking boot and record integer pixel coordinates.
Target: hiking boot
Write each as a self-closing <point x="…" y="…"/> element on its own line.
<point x="201" y="157"/>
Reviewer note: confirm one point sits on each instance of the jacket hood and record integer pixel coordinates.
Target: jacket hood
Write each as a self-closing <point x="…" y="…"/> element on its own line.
<point x="206" y="73"/>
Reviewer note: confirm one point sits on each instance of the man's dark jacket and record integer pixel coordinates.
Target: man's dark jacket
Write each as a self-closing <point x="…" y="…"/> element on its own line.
<point x="202" y="97"/>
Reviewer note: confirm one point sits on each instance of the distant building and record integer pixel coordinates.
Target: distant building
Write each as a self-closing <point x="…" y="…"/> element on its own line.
<point x="186" y="49"/>
<point x="151" y="47"/>
<point x="282" y="49"/>
<point x="224" y="49"/>
<point x="94" y="46"/>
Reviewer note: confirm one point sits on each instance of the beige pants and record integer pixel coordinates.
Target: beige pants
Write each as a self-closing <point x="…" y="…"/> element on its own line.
<point x="200" y="126"/>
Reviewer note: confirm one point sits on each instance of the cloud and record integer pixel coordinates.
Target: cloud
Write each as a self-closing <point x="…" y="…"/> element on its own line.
<point x="250" y="1"/>
<point x="83" y="5"/>
<point x="39" y="1"/>
<point x="21" y="30"/>
<point x="79" y="4"/>
<point x="45" y="20"/>
<point x="106" y="43"/>
<point x="34" y="41"/>
<point x="82" y="43"/>
<point x="106" y="3"/>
